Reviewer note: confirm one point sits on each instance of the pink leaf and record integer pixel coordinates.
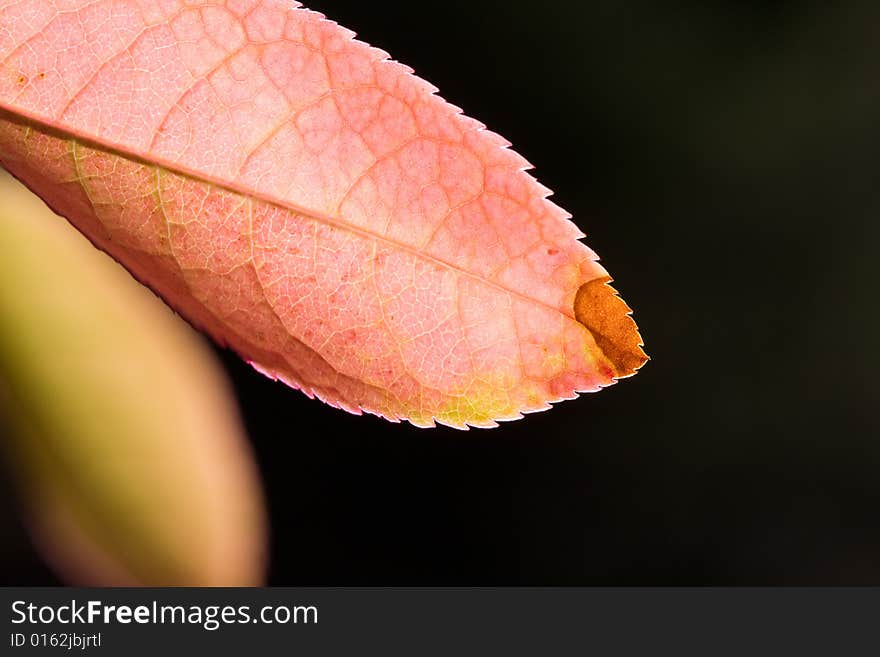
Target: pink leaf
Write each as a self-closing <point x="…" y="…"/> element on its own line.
<point x="310" y="203"/>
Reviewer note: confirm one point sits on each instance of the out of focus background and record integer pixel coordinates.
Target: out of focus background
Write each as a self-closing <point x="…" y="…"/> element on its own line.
<point x="723" y="158"/>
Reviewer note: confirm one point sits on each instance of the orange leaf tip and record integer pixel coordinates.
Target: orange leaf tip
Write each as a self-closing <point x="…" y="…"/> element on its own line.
<point x="607" y="317"/>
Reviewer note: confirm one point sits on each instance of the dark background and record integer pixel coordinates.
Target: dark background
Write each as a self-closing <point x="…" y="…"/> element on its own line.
<point x="723" y="158"/>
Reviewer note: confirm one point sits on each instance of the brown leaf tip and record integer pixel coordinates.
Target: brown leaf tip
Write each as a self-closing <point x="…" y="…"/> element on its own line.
<point x="598" y="307"/>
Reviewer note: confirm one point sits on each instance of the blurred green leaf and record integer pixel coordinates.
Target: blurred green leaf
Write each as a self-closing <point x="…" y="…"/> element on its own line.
<point x="123" y="434"/>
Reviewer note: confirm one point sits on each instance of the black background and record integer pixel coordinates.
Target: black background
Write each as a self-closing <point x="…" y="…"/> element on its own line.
<point x="723" y="159"/>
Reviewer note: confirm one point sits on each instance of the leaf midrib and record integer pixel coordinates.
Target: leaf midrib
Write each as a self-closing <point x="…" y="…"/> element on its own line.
<point x="30" y="119"/>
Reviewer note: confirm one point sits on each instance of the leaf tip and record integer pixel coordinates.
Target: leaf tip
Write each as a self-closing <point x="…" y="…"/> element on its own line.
<point x="607" y="317"/>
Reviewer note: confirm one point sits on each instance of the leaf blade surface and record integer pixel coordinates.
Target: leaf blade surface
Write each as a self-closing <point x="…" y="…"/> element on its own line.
<point x="307" y="201"/>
